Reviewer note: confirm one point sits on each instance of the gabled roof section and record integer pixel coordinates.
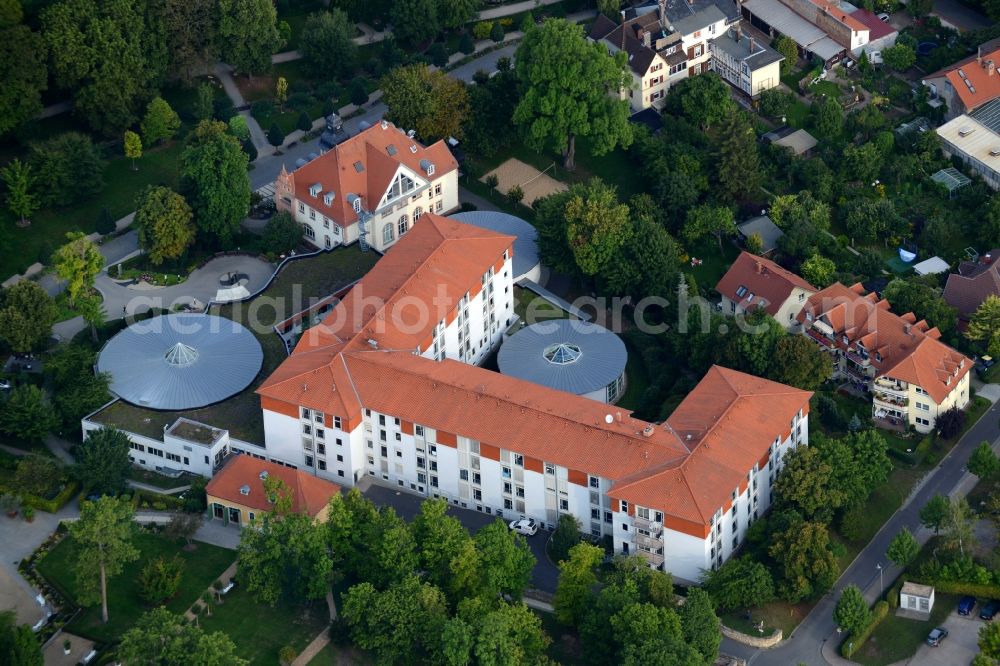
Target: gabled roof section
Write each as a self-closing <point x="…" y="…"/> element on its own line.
<point x="966" y="290"/>
<point x="756" y="281"/>
<point x="729" y="422"/>
<point x="395" y="306"/>
<point x="977" y="81"/>
<point x="627" y="38"/>
<point x="241" y="481"/>
<point x="906" y="349"/>
<point x="379" y="151"/>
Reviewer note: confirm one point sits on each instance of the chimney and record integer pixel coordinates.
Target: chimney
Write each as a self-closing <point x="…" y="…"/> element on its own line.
<point x="753" y="44"/>
<point x="906" y="329"/>
<point x="663" y="11"/>
<point x="760" y="267"/>
<point x="979" y="55"/>
<point x="991" y="68"/>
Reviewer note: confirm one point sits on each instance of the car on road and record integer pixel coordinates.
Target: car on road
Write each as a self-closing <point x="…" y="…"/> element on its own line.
<point x="989" y="610"/>
<point x="966" y="604"/>
<point x="525" y="526"/>
<point x="936" y="636"/>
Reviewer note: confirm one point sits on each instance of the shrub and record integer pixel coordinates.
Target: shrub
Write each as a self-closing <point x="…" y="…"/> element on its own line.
<point x="287" y="655"/>
<point x="515" y="194"/>
<point x="438" y="54"/>
<point x="358" y="91"/>
<point x="491" y="181"/>
<point x="853" y="642"/>
<point x="950" y="423"/>
<point x="263" y="107"/>
<point x="282" y="233"/>
<point x="496" y="32"/>
<point x="53" y="505"/>
<point x="300" y="101"/>
<point x="482" y="30"/>
<point x="250" y="150"/>
<point x="305" y="123"/>
<point x="893" y="597"/>
<point x="565" y="536"/>
<point x="467" y="206"/>
<point x="160" y="579"/>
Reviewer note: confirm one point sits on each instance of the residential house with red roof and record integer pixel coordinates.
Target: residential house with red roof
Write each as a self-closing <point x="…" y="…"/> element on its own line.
<point x="975" y="280"/>
<point x="912" y="376"/>
<point x="755" y="282"/>
<point x="236" y="494"/>
<point x="969" y="83"/>
<point x="372" y="188"/>
<point x="366" y="393"/>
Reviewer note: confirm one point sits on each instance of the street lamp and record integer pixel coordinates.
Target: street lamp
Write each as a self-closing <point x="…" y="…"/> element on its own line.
<point x="880" y="585"/>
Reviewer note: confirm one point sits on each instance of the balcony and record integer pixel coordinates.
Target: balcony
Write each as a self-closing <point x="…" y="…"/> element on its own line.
<point x="643" y="524"/>
<point x="820" y="338"/>
<point x="656" y="559"/>
<point x="857" y="373"/>
<point x="892" y="386"/>
<point x="862" y="361"/>
<point x="890" y="400"/>
<point x="653" y="542"/>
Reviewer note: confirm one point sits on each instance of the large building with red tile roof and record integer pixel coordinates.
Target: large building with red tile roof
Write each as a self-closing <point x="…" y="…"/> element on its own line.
<point x="371" y="188"/>
<point x="912" y="376"/>
<point x="366" y="393"/>
<point x="236" y="494"/>
<point x="755" y="282"/>
<point x="969" y="83"/>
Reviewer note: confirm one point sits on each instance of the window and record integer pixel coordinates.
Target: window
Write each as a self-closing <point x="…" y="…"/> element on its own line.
<point x="306" y="413"/>
<point x="399" y="437"/>
<point x="302" y="207"/>
<point x="337" y="422"/>
<point x="356" y="204"/>
<point x="308" y="231"/>
<point x="741" y="291"/>
<point x="387" y="233"/>
<point x="607" y="517"/>
<point x="312" y="214"/>
<point x="417" y="212"/>
<point x="624" y="507"/>
<point x="595" y="482"/>
<point x="437" y="190"/>
<point x="698" y="50"/>
<point x="519" y="460"/>
<point x="402" y="225"/>
<point x="418" y="430"/>
<point x="432" y="449"/>
<point x="306" y="428"/>
<point x="309" y="461"/>
<point x="320" y="433"/>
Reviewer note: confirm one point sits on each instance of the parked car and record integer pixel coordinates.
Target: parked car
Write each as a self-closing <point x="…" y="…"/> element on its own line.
<point x="936" y="636"/>
<point x="5" y="385"/>
<point x="989" y="610"/>
<point x="983" y="364"/>
<point x="883" y="17"/>
<point x="526" y="526"/>
<point x="966" y="604"/>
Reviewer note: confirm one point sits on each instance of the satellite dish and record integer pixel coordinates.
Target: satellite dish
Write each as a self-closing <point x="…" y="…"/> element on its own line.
<point x="609" y="419"/>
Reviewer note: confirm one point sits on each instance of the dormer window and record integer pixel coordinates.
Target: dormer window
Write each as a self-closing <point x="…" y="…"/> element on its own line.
<point x="846" y="341"/>
<point x="427" y="166"/>
<point x="809" y="316"/>
<point x="328" y="198"/>
<point x="244" y="490"/>
<point x="741" y="291"/>
<point x="878" y="357"/>
<point x="314" y="189"/>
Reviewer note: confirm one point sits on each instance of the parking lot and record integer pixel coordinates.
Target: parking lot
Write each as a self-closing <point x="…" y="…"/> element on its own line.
<point x="960" y="646"/>
<point x="545" y="574"/>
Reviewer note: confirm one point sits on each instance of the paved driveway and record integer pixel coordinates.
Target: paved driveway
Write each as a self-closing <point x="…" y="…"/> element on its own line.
<point x="960" y="646"/>
<point x="407" y="505"/>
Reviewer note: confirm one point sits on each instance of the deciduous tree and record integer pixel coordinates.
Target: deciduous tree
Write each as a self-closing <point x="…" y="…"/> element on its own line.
<point x="26" y="414"/>
<point x="248" y="34"/>
<point x="566" y="80"/>
<point x="190" y="28"/>
<point x="916" y="295"/>
<point x="577" y="576"/>
<point x="506" y="560"/>
<point x="984" y="462"/>
<point x="326" y="43"/>
<point x="984" y="325"/>
<point x="27" y="313"/>
<point x="700" y="625"/>
<point x="740" y="582"/>
<point x="807" y="484"/>
<point x="739" y="168"/>
<point x="819" y="270"/>
<point x="183" y="526"/>
<point x="900" y="57"/>
<point x="870" y="220"/>
<point x="903" y="548"/>
<point x="851" y="612"/>
<point x="989" y="641"/>
<point x="18" y="645"/>
<point x="934" y="513"/>
<point x="215" y="182"/>
<point x="164" y="222"/>
<point x="439" y="538"/>
<point x="133" y="147"/>
<point x="799" y="362"/>
<point x="78" y="262"/>
<point x="454" y="14"/>
<point x="787" y="47"/>
<point x="282" y="233"/>
<point x="22" y="69"/>
<point x="414" y="21"/>
<point x="103" y="536"/>
<point x="37" y="475"/>
<point x="827" y="117"/>
<point x="161" y="638"/>
<point x="111" y="54"/>
<point x="69" y="166"/>
<point x="160" y="122"/>
<point x="430" y="102"/>
<point x="805" y="561"/>
<point x="102" y="462"/>
<point x="705" y="101"/>
<point x="160" y="579"/>
<point x="597" y="225"/>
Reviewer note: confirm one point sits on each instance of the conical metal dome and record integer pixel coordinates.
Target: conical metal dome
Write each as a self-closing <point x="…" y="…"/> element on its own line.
<point x="562" y="353"/>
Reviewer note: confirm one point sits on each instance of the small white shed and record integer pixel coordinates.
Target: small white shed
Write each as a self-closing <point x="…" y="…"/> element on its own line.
<point x="931" y="266"/>
<point x="917" y="598"/>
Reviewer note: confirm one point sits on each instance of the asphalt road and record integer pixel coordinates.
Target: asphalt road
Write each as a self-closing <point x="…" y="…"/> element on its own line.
<point x="545" y="574"/>
<point x="806" y="643"/>
<point x="960" y="15"/>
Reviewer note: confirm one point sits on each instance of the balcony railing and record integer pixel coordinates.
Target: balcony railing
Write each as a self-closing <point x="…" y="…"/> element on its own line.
<point x="652" y="542"/>
<point x="643" y="524"/>
<point x="857" y="373"/>
<point x="858" y="358"/>
<point x="820" y="338"/>
<point x="656" y="559"/>
<point x="891" y="385"/>
<point x="890" y="399"/>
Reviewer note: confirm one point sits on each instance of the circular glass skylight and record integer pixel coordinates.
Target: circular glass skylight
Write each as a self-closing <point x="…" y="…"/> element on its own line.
<point x="181" y="355"/>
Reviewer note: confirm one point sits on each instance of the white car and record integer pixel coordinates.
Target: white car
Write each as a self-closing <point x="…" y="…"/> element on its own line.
<point x="525" y="526"/>
<point x="883" y="17"/>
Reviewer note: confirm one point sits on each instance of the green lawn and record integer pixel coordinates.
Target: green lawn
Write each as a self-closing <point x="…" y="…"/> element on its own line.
<point x="897" y="639"/>
<point x="299" y="284"/>
<point x="260" y="631"/>
<point x="827" y="88"/>
<point x="776" y="615"/>
<point x="636" y="379"/>
<point x="541" y="309"/>
<point x="714" y="265"/>
<point x="797" y="114"/>
<point x="49" y="226"/>
<point x="204" y="565"/>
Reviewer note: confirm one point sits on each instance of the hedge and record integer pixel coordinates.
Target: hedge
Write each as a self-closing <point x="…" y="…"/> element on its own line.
<point x="991" y="591"/>
<point x="156" y="500"/>
<point x="46" y="505"/>
<point x="893" y="596"/>
<point x="853" y="642"/>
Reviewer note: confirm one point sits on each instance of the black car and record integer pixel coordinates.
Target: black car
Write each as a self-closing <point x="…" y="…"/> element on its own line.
<point x="989" y="610"/>
<point x="966" y="604"/>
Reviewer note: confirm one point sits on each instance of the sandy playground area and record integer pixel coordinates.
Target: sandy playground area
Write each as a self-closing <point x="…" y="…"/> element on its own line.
<point x="533" y="182"/>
